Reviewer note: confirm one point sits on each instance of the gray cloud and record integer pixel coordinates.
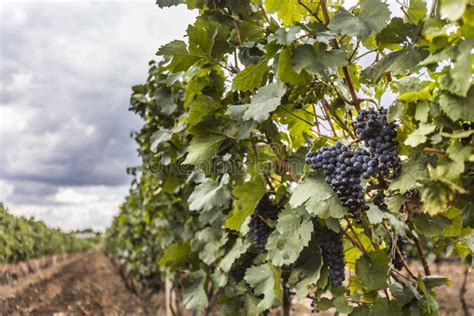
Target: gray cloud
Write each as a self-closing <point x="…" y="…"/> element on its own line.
<point x="66" y="72"/>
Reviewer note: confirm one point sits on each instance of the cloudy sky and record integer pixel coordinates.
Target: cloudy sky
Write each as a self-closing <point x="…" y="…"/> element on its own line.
<point x="66" y="68"/>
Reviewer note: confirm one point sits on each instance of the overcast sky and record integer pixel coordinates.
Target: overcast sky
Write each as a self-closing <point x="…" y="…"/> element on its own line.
<point x="66" y="69"/>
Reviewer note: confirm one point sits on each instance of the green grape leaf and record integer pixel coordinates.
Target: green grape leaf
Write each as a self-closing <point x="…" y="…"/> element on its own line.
<point x="265" y="280"/>
<point x="395" y="202"/>
<point x="373" y="17"/>
<point x="306" y="270"/>
<point x="182" y="59"/>
<point x="212" y="242"/>
<point x="202" y="148"/>
<point x="318" y="198"/>
<point x="361" y="310"/>
<point x="168" y="3"/>
<point x="286" y="37"/>
<point x="201" y="107"/>
<point x="246" y="198"/>
<point x="430" y="226"/>
<point x="433" y="281"/>
<point x="452" y="9"/>
<point x="382" y="306"/>
<point x="439" y="189"/>
<point x="288" y="11"/>
<point x="208" y="38"/>
<point x="397" y="62"/>
<point x="422" y="111"/>
<point x="344" y="22"/>
<point x="305" y="57"/>
<point x="265" y="101"/>
<point x="285" y="70"/>
<point x="194" y="295"/>
<point x="417" y="10"/>
<point x="292" y="233"/>
<point x="372" y="270"/>
<point x="298" y="129"/>
<point x="251" y="77"/>
<point x="375" y="14"/>
<point x="418" y="136"/>
<point x="239" y="248"/>
<point x="459" y="79"/>
<point x="175" y="255"/>
<point x="341" y="305"/>
<point x="457" y="107"/>
<point x="413" y="168"/>
<point x="396" y="32"/>
<point x="164" y="101"/>
<point x="158" y="137"/>
<point x="401" y="293"/>
<point x="374" y="214"/>
<point x="210" y="194"/>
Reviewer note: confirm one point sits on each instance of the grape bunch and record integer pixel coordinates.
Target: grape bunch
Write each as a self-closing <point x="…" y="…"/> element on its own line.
<point x="342" y="168"/>
<point x="259" y="229"/>
<point x="238" y="271"/>
<point x="379" y="137"/>
<point x="330" y="243"/>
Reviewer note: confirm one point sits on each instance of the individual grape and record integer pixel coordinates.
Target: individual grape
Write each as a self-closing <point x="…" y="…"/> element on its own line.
<point x="378" y="136"/>
<point x="342" y="169"/>
<point x="330" y="243"/>
<point x="259" y="229"/>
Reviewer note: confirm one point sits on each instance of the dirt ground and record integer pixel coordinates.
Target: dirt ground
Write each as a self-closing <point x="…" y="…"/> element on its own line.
<point x="88" y="284"/>
<point x="84" y="285"/>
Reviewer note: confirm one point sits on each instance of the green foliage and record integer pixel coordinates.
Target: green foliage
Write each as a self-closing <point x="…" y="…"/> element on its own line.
<point x="22" y="239"/>
<point x="230" y="115"/>
<point x="265" y="280"/>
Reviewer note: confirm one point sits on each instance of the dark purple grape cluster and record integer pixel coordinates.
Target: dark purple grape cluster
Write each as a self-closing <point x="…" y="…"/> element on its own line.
<point x="342" y="168"/>
<point x="238" y="271"/>
<point x="259" y="228"/>
<point x="379" y="137"/>
<point x="330" y="243"/>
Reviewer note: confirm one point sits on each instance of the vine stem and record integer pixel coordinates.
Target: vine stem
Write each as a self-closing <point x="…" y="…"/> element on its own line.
<point x="328" y="118"/>
<point x="396" y="277"/>
<point x="264" y="13"/>
<point x="357" y="237"/>
<point x="419" y="247"/>
<point x="297" y="116"/>
<point x="462" y="292"/>
<point x="309" y="123"/>
<point x="399" y="252"/>
<point x="338" y="119"/>
<point x="356" y="241"/>
<point x="316" y="119"/>
<point x="347" y="77"/>
<point x="314" y="14"/>
<point x="435" y="151"/>
<point x="237" y="31"/>
<point x="282" y="164"/>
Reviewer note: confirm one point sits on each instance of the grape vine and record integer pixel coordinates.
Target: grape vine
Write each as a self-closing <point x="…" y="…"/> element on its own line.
<point x="269" y="116"/>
